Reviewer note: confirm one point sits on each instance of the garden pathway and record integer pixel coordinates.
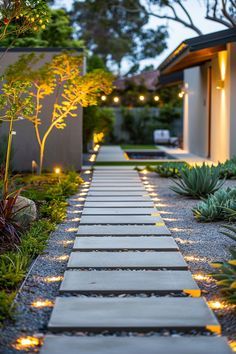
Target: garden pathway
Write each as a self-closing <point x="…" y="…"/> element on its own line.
<point x="127" y="288"/>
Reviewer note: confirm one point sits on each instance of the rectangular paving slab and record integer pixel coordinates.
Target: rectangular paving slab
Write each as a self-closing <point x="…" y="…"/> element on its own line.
<point x="134" y="345"/>
<point x="119" y="204"/>
<point x="112" y="243"/>
<point x="138" y="187"/>
<point x="117" y="219"/>
<point x="132" y="198"/>
<point x="121" y="193"/>
<point x="118" y="282"/>
<point x="131" y="314"/>
<point x="124" y="260"/>
<point x="119" y="211"/>
<point x="116" y="184"/>
<point x="128" y="230"/>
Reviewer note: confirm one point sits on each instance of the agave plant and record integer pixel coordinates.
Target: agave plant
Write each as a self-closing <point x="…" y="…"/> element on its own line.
<point x="230" y="231"/>
<point x="220" y="206"/>
<point x="226" y="277"/>
<point x="198" y="181"/>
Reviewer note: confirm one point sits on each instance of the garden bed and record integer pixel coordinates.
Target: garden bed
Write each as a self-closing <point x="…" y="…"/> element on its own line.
<point x="200" y="243"/>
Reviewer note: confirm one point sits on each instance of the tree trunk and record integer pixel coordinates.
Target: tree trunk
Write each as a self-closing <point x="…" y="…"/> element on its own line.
<point x="41" y="157"/>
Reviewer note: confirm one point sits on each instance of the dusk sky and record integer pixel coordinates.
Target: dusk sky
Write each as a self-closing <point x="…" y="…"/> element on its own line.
<point x="177" y="32"/>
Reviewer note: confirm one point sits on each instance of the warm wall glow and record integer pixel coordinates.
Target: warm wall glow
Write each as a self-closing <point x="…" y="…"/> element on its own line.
<point x="24" y="343"/>
<point x="222" y="59"/>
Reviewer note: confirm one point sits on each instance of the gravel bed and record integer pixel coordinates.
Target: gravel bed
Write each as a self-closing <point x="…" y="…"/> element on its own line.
<point x="30" y="321"/>
<point x="200" y="243"/>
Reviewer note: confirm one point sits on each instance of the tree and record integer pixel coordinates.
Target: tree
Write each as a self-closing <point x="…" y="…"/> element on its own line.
<point x="17" y="17"/>
<point x="61" y="79"/>
<point x="221" y="11"/>
<point x="58" y="33"/>
<point x="114" y="33"/>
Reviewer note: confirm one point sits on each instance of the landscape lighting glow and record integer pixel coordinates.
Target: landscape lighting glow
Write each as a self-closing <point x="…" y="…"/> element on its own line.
<point x="24" y="343"/>
<point x="156" y="98"/>
<point x="57" y="170"/>
<point x="141" y="98"/>
<point x="215" y="305"/>
<point x="103" y="98"/>
<point x="116" y="99"/>
<point x="42" y="303"/>
<point x="53" y="279"/>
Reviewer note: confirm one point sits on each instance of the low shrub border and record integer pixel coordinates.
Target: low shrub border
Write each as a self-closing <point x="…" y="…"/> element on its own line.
<point x="49" y="193"/>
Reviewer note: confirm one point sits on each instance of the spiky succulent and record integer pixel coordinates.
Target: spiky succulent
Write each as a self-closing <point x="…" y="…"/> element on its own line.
<point x="220" y="206"/>
<point x="226" y="277"/>
<point x="198" y="181"/>
<point x="230" y="231"/>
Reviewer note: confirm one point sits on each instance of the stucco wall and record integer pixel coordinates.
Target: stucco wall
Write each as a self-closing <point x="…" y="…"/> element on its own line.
<point x="63" y="148"/>
<point x="195" y="111"/>
<point x="223" y="107"/>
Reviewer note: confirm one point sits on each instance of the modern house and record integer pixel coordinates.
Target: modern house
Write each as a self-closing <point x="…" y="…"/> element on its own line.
<point x="208" y="64"/>
<point x="64" y="147"/>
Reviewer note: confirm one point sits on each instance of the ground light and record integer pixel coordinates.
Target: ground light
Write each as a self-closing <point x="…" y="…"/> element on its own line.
<point x="42" y="303"/>
<point x="92" y="158"/>
<point x="24" y="343"/>
<point x="215" y="305"/>
<point x="103" y="98"/>
<point x="53" y="279"/>
<point x="116" y="99"/>
<point x="156" y="98"/>
<point x="141" y="98"/>
<point x="57" y="170"/>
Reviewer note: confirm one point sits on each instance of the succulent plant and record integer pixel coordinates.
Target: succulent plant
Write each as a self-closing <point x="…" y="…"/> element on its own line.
<point x="198" y="181"/>
<point x="220" y="206"/>
<point x="226" y="277"/>
<point x="230" y="231"/>
<point x="170" y="169"/>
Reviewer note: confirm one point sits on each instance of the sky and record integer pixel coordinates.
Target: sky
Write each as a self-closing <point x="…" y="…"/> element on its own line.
<point x="177" y="32"/>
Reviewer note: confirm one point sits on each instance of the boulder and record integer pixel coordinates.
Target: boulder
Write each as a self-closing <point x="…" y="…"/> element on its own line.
<point x="25" y="211"/>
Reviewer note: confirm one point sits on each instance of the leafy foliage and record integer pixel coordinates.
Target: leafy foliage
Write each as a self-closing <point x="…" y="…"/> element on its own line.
<point x="6" y="309"/>
<point x="198" y="181"/>
<point x="114" y="33"/>
<point x="20" y="16"/>
<point x="228" y="169"/>
<point x="220" y="206"/>
<point x="226" y="277"/>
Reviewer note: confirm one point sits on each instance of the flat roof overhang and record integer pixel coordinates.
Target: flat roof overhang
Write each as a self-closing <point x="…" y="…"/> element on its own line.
<point x="196" y="51"/>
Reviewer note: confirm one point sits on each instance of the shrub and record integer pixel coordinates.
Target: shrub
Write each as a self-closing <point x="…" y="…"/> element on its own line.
<point x="228" y="168"/>
<point x="226" y="277"/>
<point x="12" y="269"/>
<point x="55" y="210"/>
<point x="219" y="206"/>
<point x="170" y="169"/>
<point x="6" y="309"/>
<point x="198" y="181"/>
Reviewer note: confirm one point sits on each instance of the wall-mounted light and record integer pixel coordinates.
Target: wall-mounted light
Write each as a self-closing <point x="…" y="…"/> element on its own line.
<point x="220" y="85"/>
<point x="103" y="98"/>
<point x="156" y="98"/>
<point x="116" y="99"/>
<point x="141" y="98"/>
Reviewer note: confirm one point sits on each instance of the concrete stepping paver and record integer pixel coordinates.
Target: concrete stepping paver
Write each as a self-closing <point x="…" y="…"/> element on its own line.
<point x="134" y="345"/>
<point x="128" y="230"/>
<point x="131" y="314"/>
<point x="119" y="282"/>
<point x="134" y="198"/>
<point x="118" y="204"/>
<point x="119" y="211"/>
<point x="119" y="220"/>
<point x="124" y="260"/>
<point x="115" y="184"/>
<point x="121" y="193"/>
<point x="126" y="189"/>
<point x="112" y="243"/>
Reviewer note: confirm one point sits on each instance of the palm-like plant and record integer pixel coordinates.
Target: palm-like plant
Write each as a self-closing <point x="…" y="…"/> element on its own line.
<point x="198" y="181"/>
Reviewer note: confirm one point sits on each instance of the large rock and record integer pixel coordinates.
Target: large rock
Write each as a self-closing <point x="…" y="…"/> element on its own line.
<point x="25" y="210"/>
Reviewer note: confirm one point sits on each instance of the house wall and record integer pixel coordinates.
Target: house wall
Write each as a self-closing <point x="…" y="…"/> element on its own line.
<point x="195" y="130"/>
<point x="223" y="107"/>
<point x="63" y="147"/>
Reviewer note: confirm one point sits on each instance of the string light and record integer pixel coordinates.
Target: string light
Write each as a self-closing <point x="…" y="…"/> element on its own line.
<point x="116" y="99"/>
<point x="141" y="98"/>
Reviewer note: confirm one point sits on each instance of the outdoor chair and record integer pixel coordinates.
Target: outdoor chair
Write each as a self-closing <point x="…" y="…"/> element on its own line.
<point x="162" y="136"/>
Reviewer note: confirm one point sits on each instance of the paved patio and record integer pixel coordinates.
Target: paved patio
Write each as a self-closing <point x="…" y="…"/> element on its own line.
<point x="135" y="281"/>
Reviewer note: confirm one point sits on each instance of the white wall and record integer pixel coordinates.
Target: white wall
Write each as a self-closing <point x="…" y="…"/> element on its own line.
<point x="195" y="111"/>
<point x="223" y="107"/>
